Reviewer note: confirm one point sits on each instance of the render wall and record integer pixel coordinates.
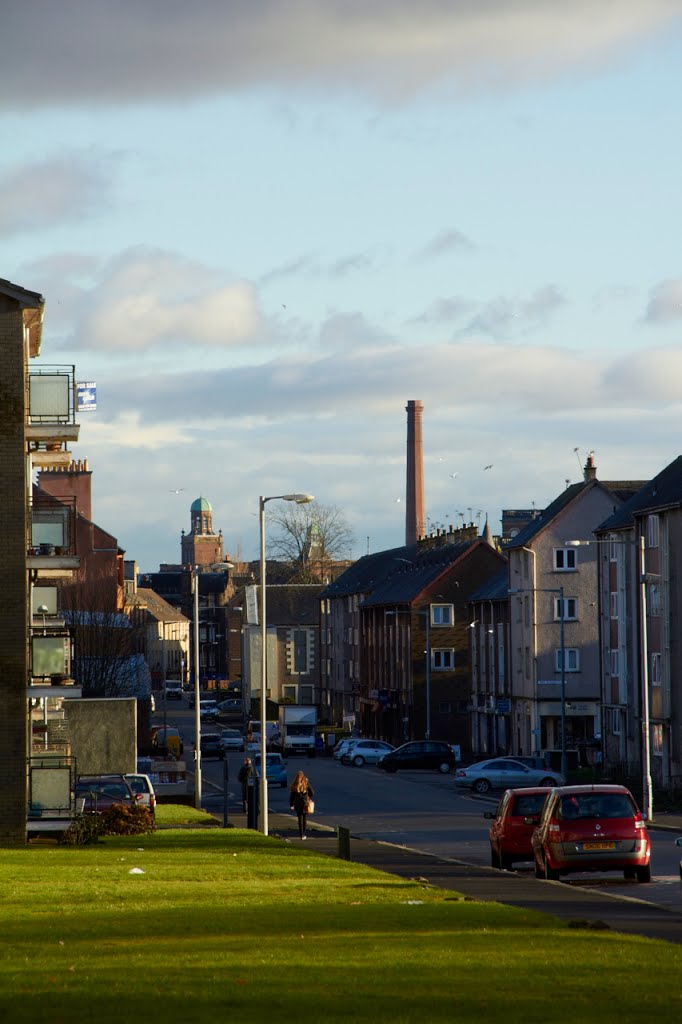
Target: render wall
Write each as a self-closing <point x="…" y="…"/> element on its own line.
<point x="103" y="734"/>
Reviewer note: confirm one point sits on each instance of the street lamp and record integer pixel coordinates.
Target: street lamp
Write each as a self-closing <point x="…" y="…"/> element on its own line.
<point x="647" y="785"/>
<point x="562" y="614"/>
<point x="300" y="499"/>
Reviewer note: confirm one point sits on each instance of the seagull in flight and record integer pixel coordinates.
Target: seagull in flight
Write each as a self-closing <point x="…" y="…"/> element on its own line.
<point x="176" y="490"/>
<point x="488" y="467"/>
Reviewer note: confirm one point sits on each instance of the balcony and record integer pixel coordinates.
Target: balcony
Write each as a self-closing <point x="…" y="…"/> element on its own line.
<point x="51" y="413"/>
<point x="52" y="548"/>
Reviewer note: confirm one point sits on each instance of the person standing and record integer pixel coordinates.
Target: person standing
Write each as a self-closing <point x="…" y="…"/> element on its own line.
<point x="301" y="794"/>
<point x="245" y="775"/>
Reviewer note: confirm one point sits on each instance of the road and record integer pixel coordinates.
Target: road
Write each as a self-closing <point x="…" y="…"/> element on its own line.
<point x="421" y="810"/>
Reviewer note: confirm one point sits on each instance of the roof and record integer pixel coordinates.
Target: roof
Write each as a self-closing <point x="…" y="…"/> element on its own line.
<point x="201" y="505"/>
<point x="369" y="571"/>
<point x="621" y="489"/>
<point x="494" y="589"/>
<point x="293" y="604"/>
<point x="664" y="491"/>
<point x="155" y="605"/>
<point x="406" y="582"/>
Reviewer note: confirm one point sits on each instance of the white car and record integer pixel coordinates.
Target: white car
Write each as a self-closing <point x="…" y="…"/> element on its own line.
<point x="231" y="739"/>
<point x="343" y="747"/>
<point x="208" y="710"/>
<point x="142" y="786"/>
<point x="366" y="752"/>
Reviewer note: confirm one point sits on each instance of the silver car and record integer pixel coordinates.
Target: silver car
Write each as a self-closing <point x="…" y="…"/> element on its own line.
<point x="504" y="773"/>
<point x="366" y="752"/>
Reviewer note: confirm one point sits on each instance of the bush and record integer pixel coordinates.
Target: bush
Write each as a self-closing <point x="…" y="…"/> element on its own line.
<point x="117" y="821"/>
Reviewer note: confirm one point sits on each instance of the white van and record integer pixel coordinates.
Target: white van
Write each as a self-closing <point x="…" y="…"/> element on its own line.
<point x="173" y="689"/>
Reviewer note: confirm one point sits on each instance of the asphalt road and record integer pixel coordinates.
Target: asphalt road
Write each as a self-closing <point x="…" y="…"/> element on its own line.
<point x="420" y="810"/>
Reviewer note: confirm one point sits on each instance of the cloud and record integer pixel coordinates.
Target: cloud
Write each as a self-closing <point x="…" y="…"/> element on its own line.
<point x="443" y="311"/>
<point x="445" y="243"/>
<point x="665" y="303"/>
<point x="52" y="192"/>
<point x="159" y="50"/>
<point x="146" y="298"/>
<point x="503" y="316"/>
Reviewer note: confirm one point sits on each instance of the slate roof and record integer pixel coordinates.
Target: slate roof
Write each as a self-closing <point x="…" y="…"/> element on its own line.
<point x="621" y="489"/>
<point x="161" y="610"/>
<point x="664" y="491"/>
<point x="399" y="575"/>
<point x="495" y="589"/>
<point x="293" y="604"/>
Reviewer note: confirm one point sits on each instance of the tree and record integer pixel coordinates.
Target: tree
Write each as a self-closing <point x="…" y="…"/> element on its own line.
<point x="312" y="538"/>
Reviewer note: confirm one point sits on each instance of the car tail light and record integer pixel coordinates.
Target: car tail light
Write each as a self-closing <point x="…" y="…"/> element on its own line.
<point x="554" y="826"/>
<point x="460" y="773"/>
<point x="639" y="821"/>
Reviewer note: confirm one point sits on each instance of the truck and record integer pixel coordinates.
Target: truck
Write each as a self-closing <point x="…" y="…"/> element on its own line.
<point x="297" y="724"/>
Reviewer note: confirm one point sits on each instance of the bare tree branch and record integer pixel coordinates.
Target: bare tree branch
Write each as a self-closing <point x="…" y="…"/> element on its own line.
<point x="309" y="537"/>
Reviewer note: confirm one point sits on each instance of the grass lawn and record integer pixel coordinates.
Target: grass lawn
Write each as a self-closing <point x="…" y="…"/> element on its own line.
<point x="197" y="925"/>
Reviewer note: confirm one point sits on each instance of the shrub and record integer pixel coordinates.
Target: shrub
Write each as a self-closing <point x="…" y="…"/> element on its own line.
<point x="116" y="821"/>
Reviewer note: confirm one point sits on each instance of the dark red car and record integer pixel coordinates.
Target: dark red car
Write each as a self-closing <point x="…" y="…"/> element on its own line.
<point x="592" y="828"/>
<point x="100" y="792"/>
<point x="513" y="823"/>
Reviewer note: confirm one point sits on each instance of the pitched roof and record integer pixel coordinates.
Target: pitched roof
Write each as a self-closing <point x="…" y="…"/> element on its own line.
<point x="155" y="605"/>
<point x="494" y="589"/>
<point x="621" y="489"/>
<point x="664" y="491"/>
<point x="293" y="603"/>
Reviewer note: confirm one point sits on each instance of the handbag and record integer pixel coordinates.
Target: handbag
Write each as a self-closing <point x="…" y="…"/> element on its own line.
<point x="309" y="806"/>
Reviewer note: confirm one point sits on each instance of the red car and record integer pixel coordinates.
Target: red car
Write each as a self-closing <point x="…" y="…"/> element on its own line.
<point x="101" y="792"/>
<point x="592" y="828"/>
<point x="513" y="824"/>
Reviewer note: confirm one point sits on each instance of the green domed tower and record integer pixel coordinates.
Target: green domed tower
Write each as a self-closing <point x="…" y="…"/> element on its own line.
<point x="201" y="546"/>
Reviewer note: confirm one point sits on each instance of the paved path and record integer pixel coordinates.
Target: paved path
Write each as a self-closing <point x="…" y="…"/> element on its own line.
<point x="568" y="902"/>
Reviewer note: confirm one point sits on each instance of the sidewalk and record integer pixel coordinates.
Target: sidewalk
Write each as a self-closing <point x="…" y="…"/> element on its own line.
<point x="570" y="903"/>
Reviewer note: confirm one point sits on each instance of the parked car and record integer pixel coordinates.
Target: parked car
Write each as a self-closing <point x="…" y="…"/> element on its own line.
<point x="366" y="752"/>
<point x="504" y="773"/>
<point x="231" y="708"/>
<point x="343" y="746"/>
<point x="592" y="828"/>
<point x="513" y="823"/>
<point x="101" y="792"/>
<point x="433" y="754"/>
<point x="142" y="786"/>
<point x="211" y="745"/>
<point x="208" y="710"/>
<point x="275" y="769"/>
<point x="232" y="739"/>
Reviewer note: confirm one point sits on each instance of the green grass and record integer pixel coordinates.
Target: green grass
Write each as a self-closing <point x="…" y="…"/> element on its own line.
<point x="225" y="924"/>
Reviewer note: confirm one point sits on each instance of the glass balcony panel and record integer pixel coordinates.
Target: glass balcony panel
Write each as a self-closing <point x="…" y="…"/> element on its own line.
<point x="50" y="397"/>
<point x="52" y="532"/>
<point x="50" y="656"/>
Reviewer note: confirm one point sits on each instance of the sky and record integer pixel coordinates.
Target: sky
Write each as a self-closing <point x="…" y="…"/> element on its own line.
<point x="262" y="227"/>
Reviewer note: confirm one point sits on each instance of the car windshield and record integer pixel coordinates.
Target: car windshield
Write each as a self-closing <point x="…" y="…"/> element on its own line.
<point x="596" y="805"/>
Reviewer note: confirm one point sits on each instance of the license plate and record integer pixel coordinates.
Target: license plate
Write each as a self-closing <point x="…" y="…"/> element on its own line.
<point x="599" y="846"/>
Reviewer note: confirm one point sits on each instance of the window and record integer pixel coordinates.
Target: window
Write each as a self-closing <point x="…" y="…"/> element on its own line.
<point x="564" y="559"/>
<point x="652" y="531"/>
<point x="289" y="693"/>
<point x="657" y="738"/>
<point x="615" y="721"/>
<point x="653" y="600"/>
<point x="570" y="606"/>
<point x="614" y="661"/>
<point x="572" y="659"/>
<point x="442" y="615"/>
<point x="442" y="659"/>
<point x="445" y="707"/>
<point x="613" y="606"/>
<point x="656" y="669"/>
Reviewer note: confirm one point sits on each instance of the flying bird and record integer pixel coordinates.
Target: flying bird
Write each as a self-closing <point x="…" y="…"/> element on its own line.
<point x="176" y="490"/>
<point x="488" y="467"/>
<point x="453" y="475"/>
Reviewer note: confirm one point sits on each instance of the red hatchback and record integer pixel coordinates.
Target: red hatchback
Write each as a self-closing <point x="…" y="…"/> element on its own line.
<point x="592" y="828"/>
<point x="513" y="824"/>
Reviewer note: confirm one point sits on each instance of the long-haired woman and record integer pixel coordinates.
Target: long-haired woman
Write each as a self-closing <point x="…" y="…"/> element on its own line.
<point x="300" y="793"/>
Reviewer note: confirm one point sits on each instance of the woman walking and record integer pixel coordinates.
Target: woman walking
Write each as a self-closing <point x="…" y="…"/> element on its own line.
<point x="301" y="794"/>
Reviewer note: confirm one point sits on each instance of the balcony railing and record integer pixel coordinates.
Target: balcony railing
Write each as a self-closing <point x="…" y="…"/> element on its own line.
<point x="52" y="539"/>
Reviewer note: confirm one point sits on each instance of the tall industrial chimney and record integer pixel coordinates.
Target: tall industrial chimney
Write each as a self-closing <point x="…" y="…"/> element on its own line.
<point x="415" y="519"/>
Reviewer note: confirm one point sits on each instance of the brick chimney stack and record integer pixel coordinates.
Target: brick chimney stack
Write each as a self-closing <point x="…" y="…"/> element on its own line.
<point x="74" y="480"/>
<point x="415" y="518"/>
<point x="590" y="471"/>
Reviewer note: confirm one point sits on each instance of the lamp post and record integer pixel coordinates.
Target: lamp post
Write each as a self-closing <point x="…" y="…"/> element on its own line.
<point x="300" y="499"/>
<point x="562" y="616"/>
<point x="647" y="785"/>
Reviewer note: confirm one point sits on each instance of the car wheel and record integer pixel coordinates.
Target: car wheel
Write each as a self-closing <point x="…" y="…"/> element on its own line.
<point x="345" y="759"/>
<point x="551" y="874"/>
<point x="358" y="761"/>
<point x="629" y="874"/>
<point x="481" y="786"/>
<point x="506" y="862"/>
<point x="444" y="768"/>
<point x="644" y="874"/>
<point x="539" y="870"/>
<point x="548" y="782"/>
<point x="494" y="858"/>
